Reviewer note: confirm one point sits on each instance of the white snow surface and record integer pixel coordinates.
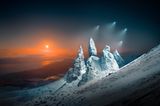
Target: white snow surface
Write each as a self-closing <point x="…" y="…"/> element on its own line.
<point x="103" y="91"/>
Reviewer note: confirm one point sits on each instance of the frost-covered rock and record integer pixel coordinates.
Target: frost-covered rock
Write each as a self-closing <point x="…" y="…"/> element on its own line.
<point x="108" y="61"/>
<point x="92" y="48"/>
<point x="99" y="67"/>
<point x="118" y="58"/>
<point x="93" y="70"/>
<point x="78" y="69"/>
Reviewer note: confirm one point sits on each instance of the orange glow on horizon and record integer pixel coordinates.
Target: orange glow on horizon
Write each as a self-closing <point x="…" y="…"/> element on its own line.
<point x="44" y="48"/>
<point x="45" y="43"/>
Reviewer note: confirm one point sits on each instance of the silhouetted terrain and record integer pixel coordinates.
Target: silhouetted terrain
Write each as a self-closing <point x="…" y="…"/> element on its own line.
<point x="33" y="77"/>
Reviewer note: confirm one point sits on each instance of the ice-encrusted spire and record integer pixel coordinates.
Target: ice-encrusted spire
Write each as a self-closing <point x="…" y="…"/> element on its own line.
<point x="118" y="58"/>
<point x="79" y="61"/>
<point x="108" y="61"/>
<point x="80" y="52"/>
<point x="92" y="48"/>
<point x="78" y="69"/>
<point x="107" y="48"/>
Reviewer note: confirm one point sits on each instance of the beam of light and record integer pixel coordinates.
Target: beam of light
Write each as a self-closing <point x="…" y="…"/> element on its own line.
<point x="122" y="34"/>
<point x="120" y="43"/>
<point x="125" y="30"/>
<point x="94" y="32"/>
<point x="110" y="27"/>
<point x="113" y="24"/>
<point x="97" y="27"/>
<point x="108" y="30"/>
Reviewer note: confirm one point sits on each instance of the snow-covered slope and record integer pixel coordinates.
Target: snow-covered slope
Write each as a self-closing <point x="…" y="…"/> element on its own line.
<point x="134" y="82"/>
<point x="13" y="98"/>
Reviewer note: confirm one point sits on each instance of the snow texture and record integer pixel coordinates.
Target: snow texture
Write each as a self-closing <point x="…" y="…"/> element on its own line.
<point x="118" y="58"/>
<point x="108" y="61"/>
<point x="113" y="89"/>
<point x="94" y="68"/>
<point x="78" y="69"/>
<point x="123" y="87"/>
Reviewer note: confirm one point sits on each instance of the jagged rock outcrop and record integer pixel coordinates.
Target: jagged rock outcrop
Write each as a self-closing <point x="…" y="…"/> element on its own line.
<point x="108" y="62"/>
<point x="78" y="69"/>
<point x="92" y="71"/>
<point x="94" y="67"/>
<point x="118" y="58"/>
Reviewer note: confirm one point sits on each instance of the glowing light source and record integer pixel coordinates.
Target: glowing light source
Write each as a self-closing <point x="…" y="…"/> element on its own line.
<point x="113" y="24"/>
<point x="95" y="32"/>
<point x="109" y="29"/>
<point x="97" y="27"/>
<point x="122" y="34"/>
<point x="125" y="30"/>
<point x="46" y="46"/>
<point x="120" y="43"/>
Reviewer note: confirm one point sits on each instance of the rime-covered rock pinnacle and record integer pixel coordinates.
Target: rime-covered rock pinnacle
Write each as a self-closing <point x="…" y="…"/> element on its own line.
<point x="108" y="61"/>
<point x="78" y="69"/>
<point x="118" y="58"/>
<point x="93" y="70"/>
<point x="92" y="48"/>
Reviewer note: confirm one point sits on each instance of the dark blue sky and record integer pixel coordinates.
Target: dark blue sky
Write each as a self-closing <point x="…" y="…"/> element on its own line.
<point x="140" y="17"/>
